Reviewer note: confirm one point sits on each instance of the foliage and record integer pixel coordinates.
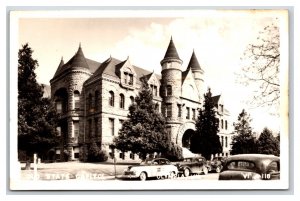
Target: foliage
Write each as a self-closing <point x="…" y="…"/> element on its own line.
<point x="36" y="115"/>
<point x="243" y="141"/>
<point x="174" y="153"/>
<point x="206" y="140"/>
<point x="95" y="154"/>
<point x="144" y="131"/>
<point x="267" y="143"/>
<point x="261" y="62"/>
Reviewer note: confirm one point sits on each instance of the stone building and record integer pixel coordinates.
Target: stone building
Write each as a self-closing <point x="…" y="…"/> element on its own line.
<point x="93" y="100"/>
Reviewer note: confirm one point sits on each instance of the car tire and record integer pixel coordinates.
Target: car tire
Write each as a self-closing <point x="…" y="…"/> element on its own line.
<point x="172" y="175"/>
<point x="218" y="169"/>
<point x="186" y="172"/>
<point x="143" y="176"/>
<point x="205" y="170"/>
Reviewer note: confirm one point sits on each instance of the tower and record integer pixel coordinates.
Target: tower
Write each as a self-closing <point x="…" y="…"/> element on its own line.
<point x="198" y="73"/>
<point x="171" y="88"/>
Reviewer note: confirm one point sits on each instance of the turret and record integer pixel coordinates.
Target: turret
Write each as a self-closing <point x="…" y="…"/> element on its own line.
<point x="171" y="82"/>
<point x="197" y="72"/>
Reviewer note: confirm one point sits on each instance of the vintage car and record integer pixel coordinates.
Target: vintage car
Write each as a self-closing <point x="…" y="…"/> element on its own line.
<point x="192" y="165"/>
<point x="251" y="167"/>
<point x="157" y="167"/>
<point x="216" y="164"/>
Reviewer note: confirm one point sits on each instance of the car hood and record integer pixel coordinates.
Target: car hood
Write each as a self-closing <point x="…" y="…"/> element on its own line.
<point x="238" y="175"/>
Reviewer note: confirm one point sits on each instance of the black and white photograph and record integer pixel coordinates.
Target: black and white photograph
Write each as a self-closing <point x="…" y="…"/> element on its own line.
<point x="149" y="99"/>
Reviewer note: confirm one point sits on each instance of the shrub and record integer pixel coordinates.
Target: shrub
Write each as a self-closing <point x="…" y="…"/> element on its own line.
<point x="174" y="153"/>
<point x="95" y="154"/>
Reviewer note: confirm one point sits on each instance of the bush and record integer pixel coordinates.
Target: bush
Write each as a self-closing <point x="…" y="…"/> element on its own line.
<point x="174" y="153"/>
<point x="95" y="154"/>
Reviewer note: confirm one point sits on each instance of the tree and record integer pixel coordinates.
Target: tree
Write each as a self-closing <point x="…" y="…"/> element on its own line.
<point x="261" y="68"/>
<point x="36" y="115"/>
<point x="144" y="132"/>
<point x="267" y="143"/>
<point x="206" y="140"/>
<point x="243" y="142"/>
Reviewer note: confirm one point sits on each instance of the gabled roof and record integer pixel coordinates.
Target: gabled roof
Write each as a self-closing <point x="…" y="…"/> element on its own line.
<point x="184" y="74"/>
<point x="111" y="66"/>
<point x="194" y="64"/>
<point x="59" y="67"/>
<point x="171" y="52"/>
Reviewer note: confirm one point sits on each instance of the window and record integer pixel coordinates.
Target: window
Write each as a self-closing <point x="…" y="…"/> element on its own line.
<point x="226" y="141"/>
<point x="125" y="77"/>
<point x="76" y="129"/>
<point x="187" y="113"/>
<point x="58" y="129"/>
<point x="96" y="126"/>
<point x="155" y="91"/>
<point x="120" y="123"/>
<point x="112" y="126"/>
<point x="169" y="90"/>
<point x="59" y="107"/>
<point x="111" y="98"/>
<point x="76" y="155"/>
<point x="97" y="100"/>
<point x="90" y="102"/>
<point x="130" y="79"/>
<point x="169" y="110"/>
<point x="90" y="128"/>
<point x="226" y="124"/>
<point x="131" y="100"/>
<point x="132" y="156"/>
<point x="179" y="110"/>
<point x="122" y="101"/>
<point x="76" y="100"/>
<point x="122" y="155"/>
<point x="194" y="114"/>
<point x="222" y="124"/>
<point x="222" y="142"/>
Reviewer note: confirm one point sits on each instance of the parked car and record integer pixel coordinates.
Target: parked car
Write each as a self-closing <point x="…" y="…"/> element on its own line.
<point x="216" y="164"/>
<point x="251" y="167"/>
<point x="158" y="167"/>
<point x="192" y="165"/>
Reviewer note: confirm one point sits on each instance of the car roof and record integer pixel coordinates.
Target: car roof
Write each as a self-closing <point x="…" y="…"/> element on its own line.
<point x="252" y="157"/>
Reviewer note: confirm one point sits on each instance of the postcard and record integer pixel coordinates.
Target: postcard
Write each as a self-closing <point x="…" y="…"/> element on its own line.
<point x="149" y="99"/>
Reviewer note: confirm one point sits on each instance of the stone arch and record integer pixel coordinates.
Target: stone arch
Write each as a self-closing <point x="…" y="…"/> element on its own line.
<point x="182" y="131"/>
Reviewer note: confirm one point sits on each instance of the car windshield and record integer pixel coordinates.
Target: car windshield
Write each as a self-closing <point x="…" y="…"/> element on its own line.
<point x="241" y="165"/>
<point x="149" y="162"/>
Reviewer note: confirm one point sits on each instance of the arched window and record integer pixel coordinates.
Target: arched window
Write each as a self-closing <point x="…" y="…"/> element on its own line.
<point x="131" y="99"/>
<point x="169" y="90"/>
<point x="122" y="101"/>
<point x="76" y="100"/>
<point x="111" y="98"/>
<point x="96" y="100"/>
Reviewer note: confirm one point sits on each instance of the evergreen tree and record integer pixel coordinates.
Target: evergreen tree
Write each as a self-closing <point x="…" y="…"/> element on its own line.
<point x="36" y="115"/>
<point x="243" y="142"/>
<point x="144" y="132"/>
<point x="267" y="143"/>
<point x="206" y="140"/>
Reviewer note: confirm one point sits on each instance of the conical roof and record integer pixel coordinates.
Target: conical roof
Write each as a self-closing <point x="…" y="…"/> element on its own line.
<point x="171" y="52"/>
<point x="60" y="66"/>
<point x="78" y="60"/>
<point x="194" y="64"/>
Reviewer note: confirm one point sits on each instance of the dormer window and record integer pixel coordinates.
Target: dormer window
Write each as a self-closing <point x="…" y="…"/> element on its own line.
<point x="130" y="79"/>
<point x="154" y="90"/>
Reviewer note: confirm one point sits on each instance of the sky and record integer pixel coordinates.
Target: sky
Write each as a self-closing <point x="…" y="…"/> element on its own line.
<point x="219" y="39"/>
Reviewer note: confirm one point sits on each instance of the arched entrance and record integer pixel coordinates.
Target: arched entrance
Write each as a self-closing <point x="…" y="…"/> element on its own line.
<point x="186" y="138"/>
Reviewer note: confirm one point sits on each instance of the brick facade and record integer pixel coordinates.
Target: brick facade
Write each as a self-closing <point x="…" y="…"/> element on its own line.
<point x="105" y="92"/>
